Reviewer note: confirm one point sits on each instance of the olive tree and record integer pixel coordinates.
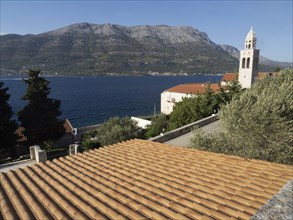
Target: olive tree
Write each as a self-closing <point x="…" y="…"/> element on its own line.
<point x="258" y="123"/>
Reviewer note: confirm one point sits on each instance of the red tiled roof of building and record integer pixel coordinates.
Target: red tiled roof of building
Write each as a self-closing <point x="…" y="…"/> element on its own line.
<point x="233" y="76"/>
<point x="141" y="179"/>
<point x="193" y="88"/>
<point x="262" y="75"/>
<point x="19" y="131"/>
<point x="68" y="127"/>
<point x="199" y="88"/>
<point x="230" y="77"/>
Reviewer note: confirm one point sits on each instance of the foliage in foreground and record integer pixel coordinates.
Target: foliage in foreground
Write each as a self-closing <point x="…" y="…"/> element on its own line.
<point x="258" y="124"/>
<point x="40" y="116"/>
<point x="113" y="131"/>
<point x="159" y="124"/>
<point x="8" y="138"/>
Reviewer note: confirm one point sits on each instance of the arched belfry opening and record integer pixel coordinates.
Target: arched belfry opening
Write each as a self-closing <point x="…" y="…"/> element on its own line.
<point x="243" y="62"/>
<point x="247" y="62"/>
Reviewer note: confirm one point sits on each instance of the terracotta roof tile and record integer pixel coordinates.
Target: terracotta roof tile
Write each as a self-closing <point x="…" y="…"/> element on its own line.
<point x="141" y="179"/>
<point x="21" y="138"/>
<point x="193" y="88"/>
<point x="67" y="126"/>
<point x="262" y="75"/>
<point x="7" y="209"/>
<point x="230" y="77"/>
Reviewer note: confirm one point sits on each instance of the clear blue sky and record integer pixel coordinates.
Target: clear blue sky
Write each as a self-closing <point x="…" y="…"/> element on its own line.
<point x="226" y="22"/>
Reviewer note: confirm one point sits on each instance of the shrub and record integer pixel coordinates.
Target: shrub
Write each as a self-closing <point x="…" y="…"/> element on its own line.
<point x="90" y="143"/>
<point x="116" y="130"/>
<point x="159" y="124"/>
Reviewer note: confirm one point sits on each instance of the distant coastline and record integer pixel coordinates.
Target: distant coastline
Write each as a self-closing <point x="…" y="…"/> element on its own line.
<point x="24" y="74"/>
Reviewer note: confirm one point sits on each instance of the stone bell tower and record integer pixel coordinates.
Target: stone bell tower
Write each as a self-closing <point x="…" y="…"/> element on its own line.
<point x="248" y="62"/>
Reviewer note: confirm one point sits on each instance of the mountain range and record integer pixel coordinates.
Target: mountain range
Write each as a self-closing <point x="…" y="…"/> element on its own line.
<point x="233" y="51"/>
<point x="85" y="48"/>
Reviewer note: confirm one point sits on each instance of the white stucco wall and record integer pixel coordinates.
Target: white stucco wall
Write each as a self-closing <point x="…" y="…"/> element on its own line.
<point x="142" y="123"/>
<point x="168" y="100"/>
<point x="224" y="83"/>
<point x="247" y="76"/>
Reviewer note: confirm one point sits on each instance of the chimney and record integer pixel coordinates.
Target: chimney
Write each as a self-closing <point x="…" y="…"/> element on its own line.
<point x="73" y="149"/>
<point x="36" y="153"/>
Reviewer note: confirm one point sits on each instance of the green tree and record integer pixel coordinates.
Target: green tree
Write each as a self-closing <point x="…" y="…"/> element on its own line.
<point x="226" y="94"/>
<point x="159" y="124"/>
<point x="40" y="116"/>
<point x="192" y="109"/>
<point x="90" y="143"/>
<point x="257" y="124"/>
<point x="116" y="130"/>
<point x="8" y="138"/>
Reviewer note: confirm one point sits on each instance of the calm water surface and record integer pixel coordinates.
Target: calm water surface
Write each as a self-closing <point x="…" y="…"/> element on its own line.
<point x="92" y="100"/>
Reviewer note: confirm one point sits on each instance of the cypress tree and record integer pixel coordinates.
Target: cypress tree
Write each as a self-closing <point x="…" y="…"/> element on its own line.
<point x="40" y="116"/>
<point x="8" y="138"/>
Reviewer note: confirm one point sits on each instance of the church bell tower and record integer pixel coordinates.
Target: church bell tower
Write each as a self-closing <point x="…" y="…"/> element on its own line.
<point x="248" y="62"/>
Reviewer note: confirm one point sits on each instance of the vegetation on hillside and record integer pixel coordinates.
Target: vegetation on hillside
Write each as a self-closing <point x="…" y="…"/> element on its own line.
<point x="99" y="49"/>
<point x="258" y="123"/>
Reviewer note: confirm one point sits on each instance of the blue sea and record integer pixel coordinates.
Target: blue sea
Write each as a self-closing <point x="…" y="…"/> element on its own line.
<point x="92" y="100"/>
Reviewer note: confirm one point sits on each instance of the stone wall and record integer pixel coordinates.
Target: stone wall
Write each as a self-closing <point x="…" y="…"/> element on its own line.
<point x="184" y="129"/>
<point x="82" y="130"/>
<point x="279" y="207"/>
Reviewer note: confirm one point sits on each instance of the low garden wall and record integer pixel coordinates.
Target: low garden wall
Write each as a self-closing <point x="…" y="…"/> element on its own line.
<point x="184" y="129"/>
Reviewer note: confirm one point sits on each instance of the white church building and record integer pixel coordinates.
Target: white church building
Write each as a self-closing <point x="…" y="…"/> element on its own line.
<point x="248" y="72"/>
<point x="175" y="94"/>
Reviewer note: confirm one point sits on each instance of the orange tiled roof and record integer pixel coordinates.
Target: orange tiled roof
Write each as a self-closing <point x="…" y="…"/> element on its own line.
<point x="230" y="77"/>
<point x="141" y="179"/>
<point x="193" y="88"/>
<point x="68" y="127"/>
<point x="19" y="131"/>
<point x="262" y="75"/>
